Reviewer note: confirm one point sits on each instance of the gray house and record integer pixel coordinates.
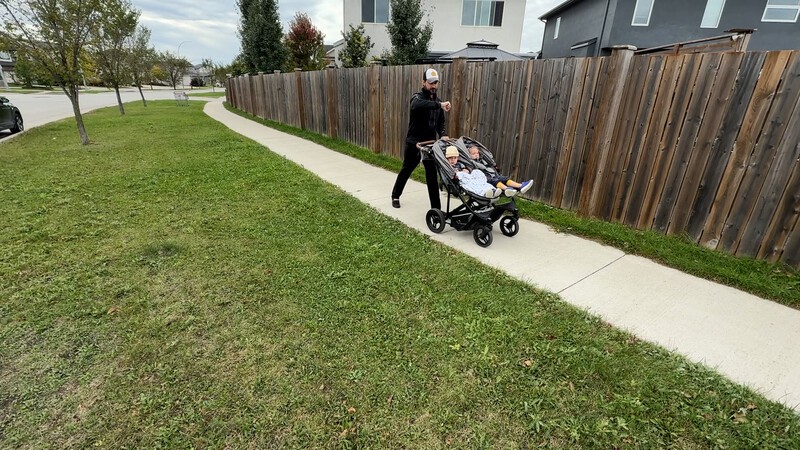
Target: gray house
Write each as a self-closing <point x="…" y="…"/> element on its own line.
<point x="590" y="27"/>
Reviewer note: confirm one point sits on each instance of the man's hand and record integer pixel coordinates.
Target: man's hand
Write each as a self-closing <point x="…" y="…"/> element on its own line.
<point x="446" y="106"/>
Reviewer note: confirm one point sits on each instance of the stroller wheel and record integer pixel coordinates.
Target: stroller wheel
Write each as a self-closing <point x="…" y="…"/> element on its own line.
<point x="509" y="226"/>
<point x="482" y="236"/>
<point x="435" y="220"/>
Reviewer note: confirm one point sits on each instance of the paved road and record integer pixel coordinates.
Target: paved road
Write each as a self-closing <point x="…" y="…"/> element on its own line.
<point x="39" y="109"/>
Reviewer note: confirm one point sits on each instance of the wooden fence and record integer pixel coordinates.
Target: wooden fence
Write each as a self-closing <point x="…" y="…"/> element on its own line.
<point x="703" y="145"/>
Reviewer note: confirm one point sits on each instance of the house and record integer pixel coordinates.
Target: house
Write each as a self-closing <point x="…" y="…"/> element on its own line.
<point x="591" y="27"/>
<point x="6" y="69"/>
<point x="454" y="22"/>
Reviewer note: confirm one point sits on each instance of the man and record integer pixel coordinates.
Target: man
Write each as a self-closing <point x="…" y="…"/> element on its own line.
<point x="426" y="123"/>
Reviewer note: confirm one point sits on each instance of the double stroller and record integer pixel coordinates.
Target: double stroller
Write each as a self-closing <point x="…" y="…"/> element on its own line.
<point x="476" y="212"/>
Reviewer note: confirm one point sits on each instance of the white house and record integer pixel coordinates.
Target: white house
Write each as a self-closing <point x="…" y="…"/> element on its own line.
<point x="455" y="22"/>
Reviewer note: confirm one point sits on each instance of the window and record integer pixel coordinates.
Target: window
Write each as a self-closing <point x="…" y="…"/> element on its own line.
<point x="558" y="27"/>
<point x="781" y="11"/>
<point x="375" y="11"/>
<point x="482" y="13"/>
<point x="713" y="13"/>
<point x="641" y="14"/>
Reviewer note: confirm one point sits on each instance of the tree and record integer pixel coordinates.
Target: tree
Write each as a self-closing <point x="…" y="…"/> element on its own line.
<point x="410" y="41"/>
<point x="356" y="47"/>
<point x="173" y="66"/>
<point x="108" y="45"/>
<point x="262" y="36"/>
<point x="53" y="34"/>
<point x="208" y="68"/>
<point x="304" y="42"/>
<point x="140" y="58"/>
<point x="28" y="72"/>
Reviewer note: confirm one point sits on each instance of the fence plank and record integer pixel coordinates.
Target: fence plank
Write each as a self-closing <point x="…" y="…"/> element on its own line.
<point x="669" y="138"/>
<point x="638" y="138"/>
<point x="620" y="150"/>
<point x="767" y="166"/>
<point x="754" y="118"/>
<point x="567" y="144"/>
<point x="560" y="106"/>
<point x="583" y="135"/>
<point x="709" y="129"/>
<point x="612" y="91"/>
<point x="709" y="65"/>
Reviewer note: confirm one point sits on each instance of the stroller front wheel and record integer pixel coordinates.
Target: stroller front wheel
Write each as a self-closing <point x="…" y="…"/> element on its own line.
<point x="509" y="226"/>
<point x="435" y="220"/>
<point x="482" y="236"/>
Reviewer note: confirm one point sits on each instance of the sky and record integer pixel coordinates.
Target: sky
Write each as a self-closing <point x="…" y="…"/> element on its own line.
<point x="198" y="29"/>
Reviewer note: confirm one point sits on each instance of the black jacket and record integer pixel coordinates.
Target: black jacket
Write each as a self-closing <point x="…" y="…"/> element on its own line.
<point x="426" y="122"/>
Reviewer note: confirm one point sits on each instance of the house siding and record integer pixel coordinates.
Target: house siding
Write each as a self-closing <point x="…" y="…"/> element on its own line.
<point x="671" y="21"/>
<point x="448" y="33"/>
<point x="577" y="25"/>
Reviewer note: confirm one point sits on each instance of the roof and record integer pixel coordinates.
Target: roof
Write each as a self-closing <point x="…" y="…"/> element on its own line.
<point x="558" y="9"/>
<point x="481" y="51"/>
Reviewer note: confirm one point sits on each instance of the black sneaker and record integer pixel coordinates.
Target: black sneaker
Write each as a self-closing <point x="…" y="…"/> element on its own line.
<point x="396" y="202"/>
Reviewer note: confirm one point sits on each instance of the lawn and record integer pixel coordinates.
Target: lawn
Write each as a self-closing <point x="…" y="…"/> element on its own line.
<point x="777" y="281"/>
<point x="174" y="285"/>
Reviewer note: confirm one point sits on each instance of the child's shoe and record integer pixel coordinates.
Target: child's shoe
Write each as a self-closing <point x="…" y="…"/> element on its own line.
<point x="526" y="186"/>
<point x="510" y="192"/>
<point x="491" y="193"/>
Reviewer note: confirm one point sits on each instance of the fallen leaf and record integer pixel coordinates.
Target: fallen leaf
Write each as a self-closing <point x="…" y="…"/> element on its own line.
<point x="113" y="310"/>
<point x="527" y="363"/>
<point x="351" y="410"/>
<point x="448" y="441"/>
<point x="389" y="400"/>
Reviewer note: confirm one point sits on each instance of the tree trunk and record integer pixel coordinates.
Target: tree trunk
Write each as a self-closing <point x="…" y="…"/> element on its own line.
<point x="142" y="94"/>
<point x="72" y="93"/>
<point x="119" y="99"/>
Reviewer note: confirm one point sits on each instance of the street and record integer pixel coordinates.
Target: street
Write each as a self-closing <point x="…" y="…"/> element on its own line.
<point x="39" y="109"/>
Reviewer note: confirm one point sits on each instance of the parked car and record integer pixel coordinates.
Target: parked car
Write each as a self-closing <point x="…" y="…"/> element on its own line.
<point x="10" y="116"/>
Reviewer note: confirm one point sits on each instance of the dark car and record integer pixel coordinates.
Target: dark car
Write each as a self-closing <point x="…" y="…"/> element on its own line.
<point x="10" y="117"/>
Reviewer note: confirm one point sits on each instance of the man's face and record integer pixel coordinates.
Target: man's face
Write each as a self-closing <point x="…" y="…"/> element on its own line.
<point x="432" y="86"/>
<point x="452" y="160"/>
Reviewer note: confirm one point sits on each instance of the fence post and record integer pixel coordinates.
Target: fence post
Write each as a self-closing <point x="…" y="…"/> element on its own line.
<point x="301" y="103"/>
<point x="613" y="91"/>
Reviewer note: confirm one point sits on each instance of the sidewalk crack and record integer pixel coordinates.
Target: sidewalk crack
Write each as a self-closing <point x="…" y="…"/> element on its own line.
<point x="591" y="274"/>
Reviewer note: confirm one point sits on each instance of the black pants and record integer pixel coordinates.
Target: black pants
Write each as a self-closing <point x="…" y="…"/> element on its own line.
<point x="411" y="158"/>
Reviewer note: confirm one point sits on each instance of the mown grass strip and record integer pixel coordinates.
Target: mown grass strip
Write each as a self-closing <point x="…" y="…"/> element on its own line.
<point x="174" y="285"/>
<point x="778" y="282"/>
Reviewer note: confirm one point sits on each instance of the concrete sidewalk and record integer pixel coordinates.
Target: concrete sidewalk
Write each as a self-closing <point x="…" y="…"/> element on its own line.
<point x="748" y="339"/>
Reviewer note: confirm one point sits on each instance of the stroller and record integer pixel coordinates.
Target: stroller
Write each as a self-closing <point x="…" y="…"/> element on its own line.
<point x="476" y="213"/>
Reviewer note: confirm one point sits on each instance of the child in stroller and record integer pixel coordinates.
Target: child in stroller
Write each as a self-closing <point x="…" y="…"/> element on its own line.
<point x="474" y="181"/>
<point x="477" y="211"/>
<point x="481" y="158"/>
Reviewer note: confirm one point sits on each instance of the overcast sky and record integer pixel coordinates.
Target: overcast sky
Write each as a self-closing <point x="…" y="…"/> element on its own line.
<point x="210" y="26"/>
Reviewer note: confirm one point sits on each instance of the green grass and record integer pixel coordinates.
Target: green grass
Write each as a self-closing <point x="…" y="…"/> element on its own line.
<point x="778" y="282"/>
<point x="174" y="285"/>
<point x="216" y="94"/>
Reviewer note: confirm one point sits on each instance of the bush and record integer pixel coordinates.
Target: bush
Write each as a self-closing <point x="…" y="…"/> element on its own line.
<point x="197" y="82"/>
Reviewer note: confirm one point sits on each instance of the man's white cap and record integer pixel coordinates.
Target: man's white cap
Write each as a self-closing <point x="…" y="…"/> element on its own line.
<point x="431" y="75"/>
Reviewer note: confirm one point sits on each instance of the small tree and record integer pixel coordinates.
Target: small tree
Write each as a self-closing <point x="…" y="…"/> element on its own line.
<point x="208" y="67"/>
<point x="410" y="41"/>
<point x="108" y="46"/>
<point x="304" y="42"/>
<point x="173" y="66"/>
<point x="356" y="47"/>
<point x="140" y="58"/>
